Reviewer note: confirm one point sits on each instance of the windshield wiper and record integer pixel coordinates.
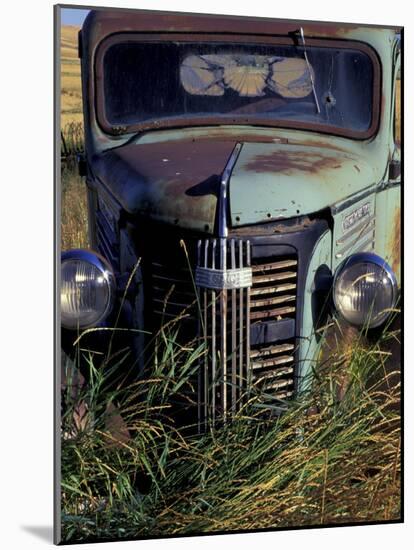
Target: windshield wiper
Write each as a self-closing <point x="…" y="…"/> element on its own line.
<point x="302" y="35"/>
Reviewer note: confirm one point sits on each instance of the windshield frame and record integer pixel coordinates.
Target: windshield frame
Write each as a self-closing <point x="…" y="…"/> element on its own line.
<point x="183" y="121"/>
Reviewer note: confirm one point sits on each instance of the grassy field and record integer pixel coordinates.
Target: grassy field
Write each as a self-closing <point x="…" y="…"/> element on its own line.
<point x="71" y="97"/>
<point x="74" y="221"/>
<point x="74" y="217"/>
<point x="322" y="462"/>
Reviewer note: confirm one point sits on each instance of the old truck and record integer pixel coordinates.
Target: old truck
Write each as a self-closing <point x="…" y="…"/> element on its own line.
<point x="247" y="173"/>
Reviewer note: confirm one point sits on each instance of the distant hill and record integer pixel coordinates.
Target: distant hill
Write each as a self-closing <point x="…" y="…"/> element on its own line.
<point x="71" y="93"/>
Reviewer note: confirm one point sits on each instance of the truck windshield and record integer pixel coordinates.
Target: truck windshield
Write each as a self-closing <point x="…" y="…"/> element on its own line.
<point x="151" y="81"/>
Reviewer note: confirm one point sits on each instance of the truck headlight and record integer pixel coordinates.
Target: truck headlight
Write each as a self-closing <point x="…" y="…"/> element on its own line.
<point x="364" y="289"/>
<point x="87" y="289"/>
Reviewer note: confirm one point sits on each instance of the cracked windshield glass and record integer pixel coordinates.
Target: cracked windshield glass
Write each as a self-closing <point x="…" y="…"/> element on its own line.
<point x="237" y="82"/>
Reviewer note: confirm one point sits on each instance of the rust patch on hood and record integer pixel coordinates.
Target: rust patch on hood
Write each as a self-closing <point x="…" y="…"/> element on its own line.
<point x="237" y="135"/>
<point x="293" y="161"/>
<point x="320" y="144"/>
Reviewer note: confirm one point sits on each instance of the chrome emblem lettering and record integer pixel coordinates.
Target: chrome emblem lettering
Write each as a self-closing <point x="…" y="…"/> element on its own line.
<point x="352" y="218"/>
<point x="219" y="279"/>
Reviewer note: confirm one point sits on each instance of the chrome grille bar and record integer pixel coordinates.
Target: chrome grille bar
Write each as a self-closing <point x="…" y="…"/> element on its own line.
<point x="223" y="331"/>
<point x="241" y="306"/>
<point x="213" y="338"/>
<point x="233" y="333"/>
<point x="227" y="335"/>
<point x="248" y="316"/>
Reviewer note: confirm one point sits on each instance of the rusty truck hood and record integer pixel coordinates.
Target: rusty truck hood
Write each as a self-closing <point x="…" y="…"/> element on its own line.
<point x="177" y="181"/>
<point x="275" y="181"/>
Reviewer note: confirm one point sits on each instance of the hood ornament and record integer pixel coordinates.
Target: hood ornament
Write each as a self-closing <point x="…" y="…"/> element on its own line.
<point x="223" y="191"/>
<point x="213" y="271"/>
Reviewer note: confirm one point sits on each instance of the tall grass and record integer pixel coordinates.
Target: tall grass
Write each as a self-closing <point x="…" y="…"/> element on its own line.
<point x="74" y="218"/>
<point x="70" y="80"/>
<point x="72" y="139"/>
<point x="323" y="461"/>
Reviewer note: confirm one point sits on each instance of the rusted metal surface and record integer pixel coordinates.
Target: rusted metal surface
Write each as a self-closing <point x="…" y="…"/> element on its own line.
<point x="293" y="180"/>
<point x="245" y="134"/>
<point x="237" y="134"/>
<point x="395" y="241"/>
<point x="105" y="22"/>
<point x="388" y="227"/>
<point x="326" y="144"/>
<point x="287" y="161"/>
<point x="270" y="228"/>
<point x="176" y="182"/>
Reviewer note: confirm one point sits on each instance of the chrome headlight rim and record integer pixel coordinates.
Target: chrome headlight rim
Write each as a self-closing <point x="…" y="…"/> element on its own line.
<point x="361" y="258"/>
<point x="105" y="268"/>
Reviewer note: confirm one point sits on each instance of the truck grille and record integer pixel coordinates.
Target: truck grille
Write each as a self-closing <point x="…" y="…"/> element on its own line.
<point x="273" y="370"/>
<point x="274" y="289"/>
<point x="106" y="238"/>
<point x="172" y="291"/>
<point x="258" y="292"/>
<point x="273" y="297"/>
<point x="232" y="364"/>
